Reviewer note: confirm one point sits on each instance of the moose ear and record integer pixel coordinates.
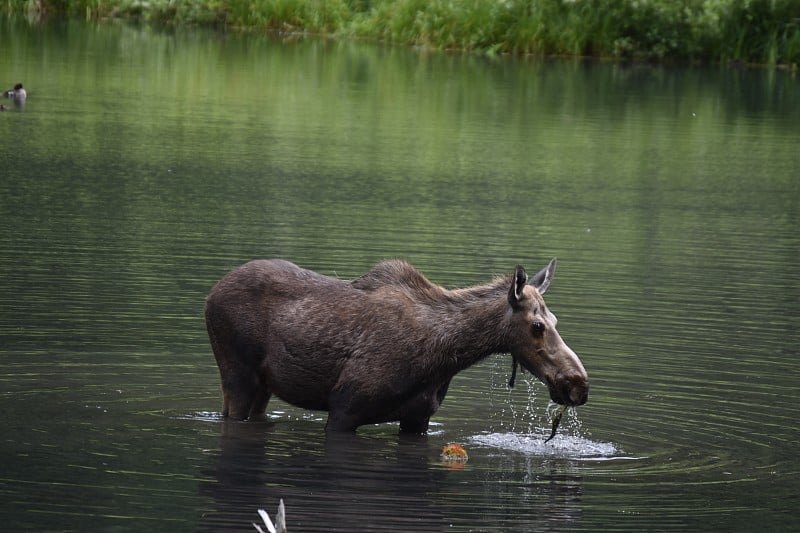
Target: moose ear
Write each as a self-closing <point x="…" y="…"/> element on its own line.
<point x="517" y="285"/>
<point x="542" y="280"/>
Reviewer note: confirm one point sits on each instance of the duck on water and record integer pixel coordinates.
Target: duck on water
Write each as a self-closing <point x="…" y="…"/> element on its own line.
<point x="18" y="94"/>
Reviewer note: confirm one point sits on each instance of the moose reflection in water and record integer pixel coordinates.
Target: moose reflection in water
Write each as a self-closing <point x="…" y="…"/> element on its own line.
<point x="380" y="348"/>
<point x="369" y="482"/>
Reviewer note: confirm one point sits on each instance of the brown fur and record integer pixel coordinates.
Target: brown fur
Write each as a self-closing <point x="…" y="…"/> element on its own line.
<point x="380" y="348"/>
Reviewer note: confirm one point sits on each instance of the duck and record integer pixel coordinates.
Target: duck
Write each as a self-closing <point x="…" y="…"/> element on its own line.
<point x="18" y="93"/>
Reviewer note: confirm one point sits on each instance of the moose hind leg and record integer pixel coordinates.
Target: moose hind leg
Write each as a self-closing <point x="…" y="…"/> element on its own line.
<point x="261" y="400"/>
<point x="244" y="382"/>
<point x="243" y="395"/>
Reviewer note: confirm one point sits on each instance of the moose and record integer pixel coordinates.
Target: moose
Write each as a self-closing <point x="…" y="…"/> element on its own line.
<point x="380" y="348"/>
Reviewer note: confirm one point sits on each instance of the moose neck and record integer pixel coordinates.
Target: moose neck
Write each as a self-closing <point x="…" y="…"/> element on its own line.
<point x="471" y="324"/>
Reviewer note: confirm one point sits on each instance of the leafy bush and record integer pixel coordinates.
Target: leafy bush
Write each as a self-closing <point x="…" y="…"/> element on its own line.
<point x="759" y="31"/>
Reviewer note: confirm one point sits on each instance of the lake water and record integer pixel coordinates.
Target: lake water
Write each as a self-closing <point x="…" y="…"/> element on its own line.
<point x="146" y="164"/>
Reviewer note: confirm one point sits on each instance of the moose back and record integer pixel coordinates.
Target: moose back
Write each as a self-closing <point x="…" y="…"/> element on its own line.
<point x="380" y="348"/>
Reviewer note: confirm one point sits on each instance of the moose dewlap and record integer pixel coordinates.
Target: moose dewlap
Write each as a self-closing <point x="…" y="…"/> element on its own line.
<point x="380" y="348"/>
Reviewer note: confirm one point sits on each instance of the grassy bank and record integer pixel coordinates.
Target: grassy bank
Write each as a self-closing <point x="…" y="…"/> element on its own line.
<point x="747" y="31"/>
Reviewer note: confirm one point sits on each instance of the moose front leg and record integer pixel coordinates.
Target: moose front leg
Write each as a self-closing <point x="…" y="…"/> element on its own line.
<point x="340" y="423"/>
<point x="414" y="425"/>
<point x="417" y="414"/>
<point x="345" y="410"/>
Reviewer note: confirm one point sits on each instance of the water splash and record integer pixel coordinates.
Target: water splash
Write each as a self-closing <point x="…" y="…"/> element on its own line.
<point x="561" y="446"/>
<point x="530" y="426"/>
<point x="202" y="416"/>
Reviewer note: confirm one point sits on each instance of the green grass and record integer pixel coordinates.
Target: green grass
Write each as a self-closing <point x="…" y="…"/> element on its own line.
<point x="747" y="31"/>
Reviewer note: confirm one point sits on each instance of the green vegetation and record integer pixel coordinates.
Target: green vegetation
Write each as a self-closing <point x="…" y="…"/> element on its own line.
<point x="749" y="31"/>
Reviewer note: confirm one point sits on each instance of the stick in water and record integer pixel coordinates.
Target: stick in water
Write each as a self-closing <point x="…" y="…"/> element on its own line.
<point x="556" y="422"/>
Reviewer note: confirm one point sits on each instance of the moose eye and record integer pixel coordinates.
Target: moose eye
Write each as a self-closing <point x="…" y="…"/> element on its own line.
<point x="537" y="328"/>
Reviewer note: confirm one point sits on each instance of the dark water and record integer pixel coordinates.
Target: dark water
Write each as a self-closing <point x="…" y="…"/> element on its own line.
<point x="147" y="164"/>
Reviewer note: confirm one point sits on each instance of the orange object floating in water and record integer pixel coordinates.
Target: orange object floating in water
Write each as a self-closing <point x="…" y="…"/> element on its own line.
<point x="454" y="452"/>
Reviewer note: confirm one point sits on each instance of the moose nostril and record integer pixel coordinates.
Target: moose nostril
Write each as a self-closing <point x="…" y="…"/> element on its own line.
<point x="569" y="389"/>
<point x="576" y="390"/>
<point x="580" y="395"/>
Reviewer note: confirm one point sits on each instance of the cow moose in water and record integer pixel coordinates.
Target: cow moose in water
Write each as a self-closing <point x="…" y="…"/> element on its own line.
<point x="379" y="348"/>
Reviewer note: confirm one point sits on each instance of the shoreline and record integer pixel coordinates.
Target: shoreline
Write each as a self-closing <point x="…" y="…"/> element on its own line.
<point x="736" y="33"/>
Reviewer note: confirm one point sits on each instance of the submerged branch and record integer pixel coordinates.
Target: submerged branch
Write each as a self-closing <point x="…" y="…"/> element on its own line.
<point x="556" y="422"/>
